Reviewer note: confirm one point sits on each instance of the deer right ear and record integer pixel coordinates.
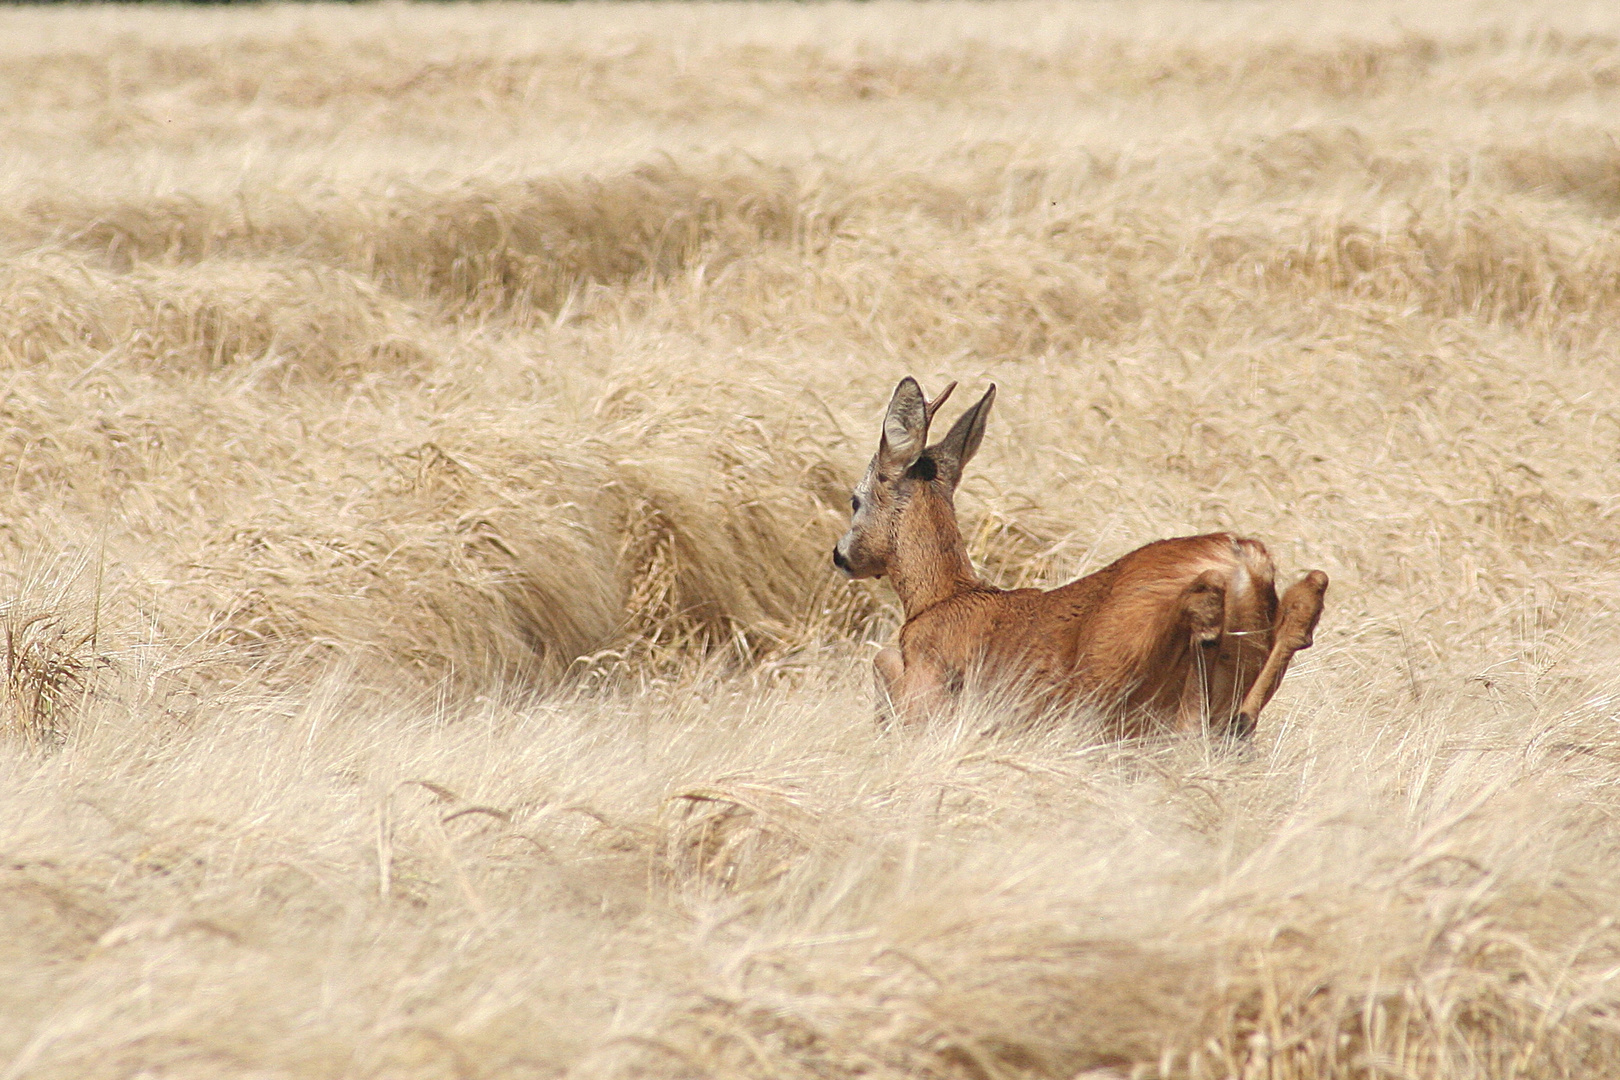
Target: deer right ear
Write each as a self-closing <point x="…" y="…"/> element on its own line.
<point x="905" y="427"/>
<point x="952" y="453"/>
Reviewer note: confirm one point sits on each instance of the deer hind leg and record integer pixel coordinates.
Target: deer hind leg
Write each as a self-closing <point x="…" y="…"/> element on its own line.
<point x="1203" y="613"/>
<point x="1294" y="630"/>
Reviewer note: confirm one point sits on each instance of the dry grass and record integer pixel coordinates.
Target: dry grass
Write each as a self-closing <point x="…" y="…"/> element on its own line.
<point x="422" y="433"/>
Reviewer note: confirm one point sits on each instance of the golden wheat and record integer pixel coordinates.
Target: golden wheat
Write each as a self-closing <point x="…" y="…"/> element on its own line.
<point x="423" y="431"/>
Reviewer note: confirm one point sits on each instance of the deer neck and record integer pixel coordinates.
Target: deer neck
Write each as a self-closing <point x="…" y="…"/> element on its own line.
<point x="931" y="562"/>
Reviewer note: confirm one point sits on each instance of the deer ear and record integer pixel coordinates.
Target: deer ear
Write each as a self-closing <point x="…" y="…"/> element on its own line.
<point x="905" y="427"/>
<point x="952" y="453"/>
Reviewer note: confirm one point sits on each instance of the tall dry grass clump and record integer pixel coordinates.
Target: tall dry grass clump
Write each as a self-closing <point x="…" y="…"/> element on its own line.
<point x="423" y="431"/>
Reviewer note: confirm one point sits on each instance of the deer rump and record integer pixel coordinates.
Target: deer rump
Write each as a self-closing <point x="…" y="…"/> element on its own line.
<point x="1184" y="634"/>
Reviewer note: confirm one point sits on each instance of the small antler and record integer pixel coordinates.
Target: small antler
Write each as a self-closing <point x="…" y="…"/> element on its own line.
<point x="933" y="406"/>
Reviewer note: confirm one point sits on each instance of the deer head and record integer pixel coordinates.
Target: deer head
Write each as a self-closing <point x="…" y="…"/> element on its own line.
<point x="909" y="485"/>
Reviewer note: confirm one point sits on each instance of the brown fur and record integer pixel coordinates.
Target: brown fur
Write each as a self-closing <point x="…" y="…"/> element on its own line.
<point x="1183" y="634"/>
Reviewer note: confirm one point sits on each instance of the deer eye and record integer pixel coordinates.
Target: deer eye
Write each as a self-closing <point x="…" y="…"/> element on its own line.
<point x="855" y="504"/>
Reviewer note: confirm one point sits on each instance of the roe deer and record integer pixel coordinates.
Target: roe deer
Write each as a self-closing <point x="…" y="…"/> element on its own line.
<point x="1184" y="634"/>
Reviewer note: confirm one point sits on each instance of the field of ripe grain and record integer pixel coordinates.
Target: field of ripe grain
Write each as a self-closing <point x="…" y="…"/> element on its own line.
<point x="423" y="431"/>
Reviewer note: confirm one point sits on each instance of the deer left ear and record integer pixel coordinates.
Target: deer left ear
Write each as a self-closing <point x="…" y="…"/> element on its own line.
<point x="952" y="453"/>
<point x="905" y="427"/>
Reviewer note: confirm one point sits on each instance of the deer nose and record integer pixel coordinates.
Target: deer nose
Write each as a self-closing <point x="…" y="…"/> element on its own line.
<point x="839" y="560"/>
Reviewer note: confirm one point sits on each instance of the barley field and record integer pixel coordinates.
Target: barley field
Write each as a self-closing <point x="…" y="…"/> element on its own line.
<point x="423" y="431"/>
